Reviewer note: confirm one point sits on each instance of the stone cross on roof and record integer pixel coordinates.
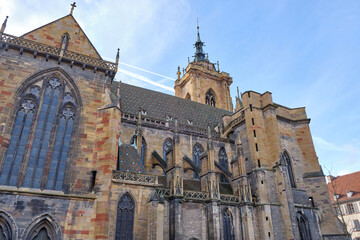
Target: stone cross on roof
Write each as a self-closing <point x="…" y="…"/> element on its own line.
<point x="72" y="7"/>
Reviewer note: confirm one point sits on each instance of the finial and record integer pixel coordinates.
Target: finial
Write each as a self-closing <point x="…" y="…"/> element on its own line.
<point x="4" y="25"/>
<point x="238" y="92"/>
<point x="218" y="66"/>
<point x="117" y="56"/>
<point x="188" y="59"/>
<point x="197" y="21"/>
<point x="178" y="73"/>
<point x="72" y="7"/>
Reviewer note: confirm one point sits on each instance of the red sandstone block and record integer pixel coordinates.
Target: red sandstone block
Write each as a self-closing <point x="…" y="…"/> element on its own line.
<point x="5" y="93"/>
<point x="97" y="100"/>
<point x="101" y="237"/>
<point x="84" y="232"/>
<point x="83" y="135"/>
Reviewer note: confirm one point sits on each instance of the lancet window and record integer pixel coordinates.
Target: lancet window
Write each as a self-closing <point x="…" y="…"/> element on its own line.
<point x="167" y="148"/>
<point x="210" y="98"/>
<point x="228" y="225"/>
<point x="223" y="161"/>
<point x="197" y="151"/>
<point x="125" y="218"/>
<point x="286" y="159"/>
<point x="303" y="225"/>
<point x="47" y="112"/>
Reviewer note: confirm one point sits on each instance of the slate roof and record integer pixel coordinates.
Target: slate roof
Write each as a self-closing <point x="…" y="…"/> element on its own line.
<point x="160" y="106"/>
<point x="350" y="182"/>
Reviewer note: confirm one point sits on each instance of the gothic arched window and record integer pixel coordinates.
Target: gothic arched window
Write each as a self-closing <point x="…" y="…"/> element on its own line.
<point x="6" y="231"/>
<point x="303" y="225"/>
<point x="167" y="148"/>
<point x="223" y="161"/>
<point x="125" y="218"/>
<point x="210" y="98"/>
<point x="286" y="159"/>
<point x="228" y="225"/>
<point x="197" y="151"/>
<point x="47" y="113"/>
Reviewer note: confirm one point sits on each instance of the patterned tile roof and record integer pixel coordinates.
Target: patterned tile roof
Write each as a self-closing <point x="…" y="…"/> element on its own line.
<point x="161" y="106"/>
<point x="341" y="184"/>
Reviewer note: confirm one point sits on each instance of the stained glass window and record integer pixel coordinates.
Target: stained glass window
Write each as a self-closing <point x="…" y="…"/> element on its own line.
<point x="47" y="113"/>
<point x="287" y="161"/>
<point x="223" y="160"/>
<point x="227" y="225"/>
<point x="197" y="151"/>
<point x="125" y="218"/>
<point x="167" y="147"/>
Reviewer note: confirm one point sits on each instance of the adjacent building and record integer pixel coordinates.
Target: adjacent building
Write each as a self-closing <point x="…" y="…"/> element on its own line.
<point x="345" y="198"/>
<point x="85" y="157"/>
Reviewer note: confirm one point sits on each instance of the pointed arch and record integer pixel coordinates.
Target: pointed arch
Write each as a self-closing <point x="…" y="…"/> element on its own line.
<point x="8" y="228"/>
<point x="303" y="225"/>
<point x="125" y="217"/>
<point x="167" y="147"/>
<point x="143" y="148"/>
<point x="285" y="158"/>
<point x="41" y="99"/>
<point x="210" y="98"/>
<point x="228" y="224"/>
<point x="197" y="151"/>
<point x="224" y="162"/>
<point x="188" y="96"/>
<point x="43" y="227"/>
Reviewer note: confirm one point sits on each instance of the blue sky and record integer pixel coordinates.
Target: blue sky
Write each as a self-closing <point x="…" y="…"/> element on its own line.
<point x="305" y="52"/>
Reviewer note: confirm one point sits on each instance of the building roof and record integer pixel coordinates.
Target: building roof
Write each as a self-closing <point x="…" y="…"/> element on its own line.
<point x="164" y="107"/>
<point x="339" y="185"/>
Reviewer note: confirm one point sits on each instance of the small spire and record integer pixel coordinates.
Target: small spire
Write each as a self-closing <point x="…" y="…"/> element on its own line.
<point x="237" y="88"/>
<point x="72" y="8"/>
<point x="117" y="59"/>
<point x="199" y="53"/>
<point x="4" y="25"/>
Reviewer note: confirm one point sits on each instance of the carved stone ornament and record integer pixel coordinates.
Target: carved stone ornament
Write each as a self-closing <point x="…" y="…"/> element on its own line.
<point x="28" y="105"/>
<point x="68" y="98"/>
<point x="67" y="112"/>
<point x="35" y="90"/>
<point x="126" y="203"/>
<point x="54" y="82"/>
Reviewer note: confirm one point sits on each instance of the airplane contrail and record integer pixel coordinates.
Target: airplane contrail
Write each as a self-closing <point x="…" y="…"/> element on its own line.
<point x="141" y="69"/>
<point x="145" y="79"/>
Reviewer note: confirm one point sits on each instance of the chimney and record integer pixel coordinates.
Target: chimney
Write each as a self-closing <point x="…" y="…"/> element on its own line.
<point x="330" y="178"/>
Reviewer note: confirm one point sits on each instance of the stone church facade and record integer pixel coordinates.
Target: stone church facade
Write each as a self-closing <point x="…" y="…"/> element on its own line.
<point x="85" y="157"/>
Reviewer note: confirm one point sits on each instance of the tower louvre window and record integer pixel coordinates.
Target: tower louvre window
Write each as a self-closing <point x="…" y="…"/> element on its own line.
<point x="210" y="98"/>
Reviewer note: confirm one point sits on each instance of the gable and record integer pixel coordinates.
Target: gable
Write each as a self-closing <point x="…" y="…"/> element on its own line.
<point x="51" y="34"/>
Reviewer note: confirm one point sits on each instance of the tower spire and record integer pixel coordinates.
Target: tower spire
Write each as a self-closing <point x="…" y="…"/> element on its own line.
<point x="199" y="53"/>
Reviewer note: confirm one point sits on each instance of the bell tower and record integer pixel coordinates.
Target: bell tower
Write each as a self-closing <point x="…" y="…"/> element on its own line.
<point x="202" y="82"/>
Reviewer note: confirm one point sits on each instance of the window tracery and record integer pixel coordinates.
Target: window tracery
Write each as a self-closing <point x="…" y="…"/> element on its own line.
<point x="197" y="151"/>
<point x="210" y="98"/>
<point x="224" y="162"/>
<point x="167" y="147"/>
<point x="125" y="218"/>
<point x="47" y="114"/>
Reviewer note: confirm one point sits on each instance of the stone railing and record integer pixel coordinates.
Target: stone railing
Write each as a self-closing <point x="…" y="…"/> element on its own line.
<point x="46" y="49"/>
<point x="195" y="195"/>
<point x="162" y="192"/>
<point x="229" y="198"/>
<point x="134" y="177"/>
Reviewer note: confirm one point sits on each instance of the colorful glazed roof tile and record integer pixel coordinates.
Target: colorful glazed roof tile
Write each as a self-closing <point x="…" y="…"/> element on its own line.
<point x="129" y="160"/>
<point x="162" y="106"/>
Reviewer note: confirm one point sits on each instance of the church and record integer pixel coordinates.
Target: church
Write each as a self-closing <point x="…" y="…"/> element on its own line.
<point x="85" y="157"/>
